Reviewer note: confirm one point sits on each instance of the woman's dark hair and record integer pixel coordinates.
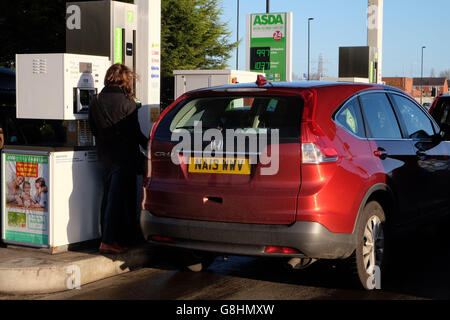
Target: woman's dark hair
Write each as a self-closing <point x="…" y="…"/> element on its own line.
<point x="41" y="182"/>
<point x="120" y="75"/>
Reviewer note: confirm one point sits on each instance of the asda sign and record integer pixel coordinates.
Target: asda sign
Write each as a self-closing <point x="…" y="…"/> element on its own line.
<point x="269" y="48"/>
<point x="268" y="19"/>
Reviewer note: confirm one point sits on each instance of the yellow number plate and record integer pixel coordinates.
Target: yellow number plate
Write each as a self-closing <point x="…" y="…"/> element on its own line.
<point x="219" y="165"/>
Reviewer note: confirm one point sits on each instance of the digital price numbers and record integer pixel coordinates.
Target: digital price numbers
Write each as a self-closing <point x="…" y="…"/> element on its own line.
<point x="260" y="58"/>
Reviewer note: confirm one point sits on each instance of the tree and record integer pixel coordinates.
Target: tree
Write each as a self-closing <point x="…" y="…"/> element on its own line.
<point x="31" y="27"/>
<point x="445" y="74"/>
<point x="433" y="73"/>
<point x="193" y="37"/>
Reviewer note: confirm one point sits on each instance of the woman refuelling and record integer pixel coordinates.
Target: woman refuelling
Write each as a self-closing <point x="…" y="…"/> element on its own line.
<point x="113" y="117"/>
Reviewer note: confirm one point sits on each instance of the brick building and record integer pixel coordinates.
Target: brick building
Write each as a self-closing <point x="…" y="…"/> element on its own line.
<point x="405" y="84"/>
<point x="432" y="87"/>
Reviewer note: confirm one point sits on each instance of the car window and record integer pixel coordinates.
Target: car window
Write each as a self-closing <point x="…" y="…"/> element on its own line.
<point x="350" y="118"/>
<point x="250" y="114"/>
<point x="417" y="124"/>
<point x="441" y="112"/>
<point x="379" y="116"/>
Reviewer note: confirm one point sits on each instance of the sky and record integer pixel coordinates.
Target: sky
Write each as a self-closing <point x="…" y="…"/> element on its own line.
<point x="408" y="25"/>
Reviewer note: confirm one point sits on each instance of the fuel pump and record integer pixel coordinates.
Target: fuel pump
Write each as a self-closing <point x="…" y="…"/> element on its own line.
<point x="61" y="186"/>
<point x="60" y="87"/>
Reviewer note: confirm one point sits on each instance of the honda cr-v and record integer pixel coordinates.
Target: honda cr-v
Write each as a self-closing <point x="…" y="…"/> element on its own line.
<point x="306" y="171"/>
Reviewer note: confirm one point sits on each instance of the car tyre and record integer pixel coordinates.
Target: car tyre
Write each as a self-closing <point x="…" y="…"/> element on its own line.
<point x="369" y="258"/>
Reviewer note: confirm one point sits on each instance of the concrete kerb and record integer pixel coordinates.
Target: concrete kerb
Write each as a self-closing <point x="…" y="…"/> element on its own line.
<point x="35" y="276"/>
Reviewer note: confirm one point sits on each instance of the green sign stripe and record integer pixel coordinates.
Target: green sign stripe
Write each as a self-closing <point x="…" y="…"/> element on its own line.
<point x="118" y="45"/>
<point x="26" y="158"/>
<point x="371" y="72"/>
<point x="26" y="237"/>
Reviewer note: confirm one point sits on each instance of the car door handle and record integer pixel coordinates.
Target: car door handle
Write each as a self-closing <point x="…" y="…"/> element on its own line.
<point x="381" y="153"/>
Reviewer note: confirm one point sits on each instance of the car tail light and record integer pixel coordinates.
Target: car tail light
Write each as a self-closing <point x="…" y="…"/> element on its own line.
<point x="282" y="250"/>
<point x="316" y="147"/>
<point x="162" y="239"/>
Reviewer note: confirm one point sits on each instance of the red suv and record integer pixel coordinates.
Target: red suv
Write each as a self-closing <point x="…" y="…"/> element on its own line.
<point x="322" y="170"/>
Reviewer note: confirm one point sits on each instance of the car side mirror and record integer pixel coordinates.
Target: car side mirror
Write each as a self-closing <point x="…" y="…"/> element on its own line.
<point x="445" y="131"/>
<point x="438" y="137"/>
<point x="430" y="143"/>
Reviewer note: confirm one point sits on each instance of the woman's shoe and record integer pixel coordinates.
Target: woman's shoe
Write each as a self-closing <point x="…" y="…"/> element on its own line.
<point x="112" y="248"/>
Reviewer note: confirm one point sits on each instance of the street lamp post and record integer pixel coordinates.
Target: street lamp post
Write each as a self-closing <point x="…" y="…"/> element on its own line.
<point x="267" y="6"/>
<point x="421" y="79"/>
<point x="237" y="38"/>
<point x="309" y="44"/>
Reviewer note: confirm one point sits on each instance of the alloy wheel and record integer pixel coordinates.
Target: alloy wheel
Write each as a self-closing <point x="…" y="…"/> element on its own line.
<point x="373" y="247"/>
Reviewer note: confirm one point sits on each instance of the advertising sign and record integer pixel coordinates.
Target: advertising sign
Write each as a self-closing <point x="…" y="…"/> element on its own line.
<point x="25" y="180"/>
<point x="270" y="45"/>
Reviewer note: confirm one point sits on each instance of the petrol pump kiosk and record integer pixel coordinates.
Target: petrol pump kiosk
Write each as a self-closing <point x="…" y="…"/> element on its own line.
<point x="52" y="195"/>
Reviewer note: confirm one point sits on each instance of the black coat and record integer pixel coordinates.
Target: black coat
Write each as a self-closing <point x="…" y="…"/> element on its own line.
<point x="113" y="118"/>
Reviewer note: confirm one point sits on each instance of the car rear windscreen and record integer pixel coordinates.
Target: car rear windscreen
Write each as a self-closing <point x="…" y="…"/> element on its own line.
<point x="256" y="114"/>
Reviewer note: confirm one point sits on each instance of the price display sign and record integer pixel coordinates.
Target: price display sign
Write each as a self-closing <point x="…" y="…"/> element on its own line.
<point x="270" y="44"/>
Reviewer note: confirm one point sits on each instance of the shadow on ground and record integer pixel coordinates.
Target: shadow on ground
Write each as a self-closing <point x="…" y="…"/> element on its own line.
<point x="419" y="268"/>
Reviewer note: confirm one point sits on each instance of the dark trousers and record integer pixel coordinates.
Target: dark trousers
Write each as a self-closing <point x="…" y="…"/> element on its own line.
<point x="118" y="208"/>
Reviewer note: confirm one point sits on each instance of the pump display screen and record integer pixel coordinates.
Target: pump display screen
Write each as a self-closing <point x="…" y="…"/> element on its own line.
<point x="86" y="96"/>
<point x="82" y="98"/>
<point x="260" y="58"/>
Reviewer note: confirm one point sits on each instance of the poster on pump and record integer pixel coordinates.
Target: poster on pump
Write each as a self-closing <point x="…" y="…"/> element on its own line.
<point x="25" y="202"/>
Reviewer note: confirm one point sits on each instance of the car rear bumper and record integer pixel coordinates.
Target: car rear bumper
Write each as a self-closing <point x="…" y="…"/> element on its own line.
<point x="312" y="239"/>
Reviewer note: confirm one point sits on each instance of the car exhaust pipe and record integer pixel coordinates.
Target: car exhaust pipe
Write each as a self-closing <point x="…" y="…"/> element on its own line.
<point x="300" y="263"/>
